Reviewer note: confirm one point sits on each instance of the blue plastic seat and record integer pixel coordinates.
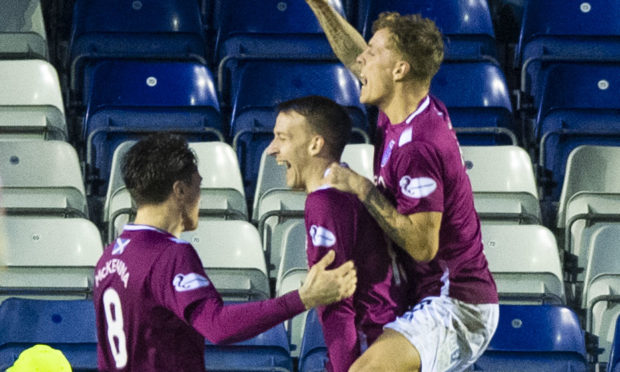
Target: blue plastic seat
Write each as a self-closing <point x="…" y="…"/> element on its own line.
<point x="614" y="358"/>
<point x="476" y="95"/>
<point x="259" y="86"/>
<point x="276" y="27"/>
<point x="127" y="99"/>
<point x="313" y="354"/>
<point x="466" y="25"/>
<point x="535" y="338"/>
<point x="157" y="29"/>
<point x="269" y="351"/>
<point x="68" y="326"/>
<point x="554" y="31"/>
<point x="580" y="105"/>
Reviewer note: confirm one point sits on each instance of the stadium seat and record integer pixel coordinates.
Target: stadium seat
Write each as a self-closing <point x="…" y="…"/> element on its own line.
<point x="293" y="250"/>
<point x="139" y="30"/>
<point x="257" y="88"/>
<point x="503" y="183"/>
<point x="22" y="31"/>
<point x="570" y="31"/>
<point x="359" y="157"/>
<point x="466" y="25"/>
<point x="31" y="104"/>
<point x="41" y="178"/>
<point x="130" y="99"/>
<point x="49" y="257"/>
<point x="590" y="198"/>
<point x="603" y="253"/>
<point x="313" y="353"/>
<point x="269" y="351"/>
<point x="276" y="28"/>
<point x="614" y="357"/>
<point x="222" y="195"/>
<point x="579" y="106"/>
<point x="525" y="263"/>
<point x="535" y="339"/>
<point x="602" y="303"/>
<point x="290" y="281"/>
<point x="477" y="98"/>
<point x="232" y="255"/>
<point x="65" y="325"/>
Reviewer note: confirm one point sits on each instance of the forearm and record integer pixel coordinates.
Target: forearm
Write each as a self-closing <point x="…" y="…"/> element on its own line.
<point x="346" y="42"/>
<point x="221" y="323"/>
<point x="417" y="239"/>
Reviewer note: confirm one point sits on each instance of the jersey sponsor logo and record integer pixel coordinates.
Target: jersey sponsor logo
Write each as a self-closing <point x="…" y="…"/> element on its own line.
<point x="120" y="245"/>
<point x="189" y="282"/>
<point x="322" y="237"/>
<point x="417" y="187"/>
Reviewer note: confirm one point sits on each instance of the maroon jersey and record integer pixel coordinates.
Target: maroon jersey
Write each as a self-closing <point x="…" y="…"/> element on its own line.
<point x="154" y="305"/>
<point x="419" y="167"/>
<point x="339" y="221"/>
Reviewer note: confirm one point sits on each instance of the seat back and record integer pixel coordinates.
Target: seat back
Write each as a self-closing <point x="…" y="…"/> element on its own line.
<point x="31" y="104"/>
<point x="359" y="157"/>
<point x="22" y="32"/>
<point x="525" y="263"/>
<point x="478" y="102"/>
<point x="603" y="253"/>
<point x="276" y="28"/>
<point x="313" y="353"/>
<point x="232" y="255"/>
<point x="579" y="106"/>
<point x="503" y="182"/>
<point x="66" y="325"/>
<point x="41" y="178"/>
<point x="614" y="357"/>
<point x="293" y="250"/>
<point x="269" y="351"/>
<point x="130" y="99"/>
<point x="602" y="303"/>
<point x="535" y="338"/>
<point x="466" y="25"/>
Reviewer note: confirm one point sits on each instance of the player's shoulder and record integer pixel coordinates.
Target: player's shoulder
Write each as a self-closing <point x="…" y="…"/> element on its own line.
<point x="328" y="200"/>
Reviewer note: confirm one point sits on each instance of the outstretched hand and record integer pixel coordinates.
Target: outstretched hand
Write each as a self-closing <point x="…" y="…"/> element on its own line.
<point x="323" y="287"/>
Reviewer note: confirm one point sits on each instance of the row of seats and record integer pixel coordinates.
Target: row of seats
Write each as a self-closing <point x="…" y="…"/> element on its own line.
<point x="528" y="339"/>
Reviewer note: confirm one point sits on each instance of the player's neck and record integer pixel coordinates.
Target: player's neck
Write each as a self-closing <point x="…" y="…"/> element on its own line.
<point x="162" y="216"/>
<point x="315" y="173"/>
<point x="404" y="101"/>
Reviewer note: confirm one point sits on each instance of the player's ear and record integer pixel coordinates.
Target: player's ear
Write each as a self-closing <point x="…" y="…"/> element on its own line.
<point x="316" y="145"/>
<point x="401" y="70"/>
<point x="179" y="188"/>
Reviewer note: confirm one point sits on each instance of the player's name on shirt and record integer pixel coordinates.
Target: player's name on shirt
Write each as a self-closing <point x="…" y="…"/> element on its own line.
<point x="113" y="266"/>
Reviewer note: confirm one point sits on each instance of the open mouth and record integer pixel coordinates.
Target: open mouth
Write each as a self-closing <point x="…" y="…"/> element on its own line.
<point x="363" y="80"/>
<point x="284" y="163"/>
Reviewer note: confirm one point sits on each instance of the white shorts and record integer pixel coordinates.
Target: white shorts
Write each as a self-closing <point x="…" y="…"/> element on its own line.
<point x="450" y="335"/>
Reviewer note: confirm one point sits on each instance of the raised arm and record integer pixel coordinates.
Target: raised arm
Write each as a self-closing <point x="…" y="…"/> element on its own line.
<point x="344" y="39"/>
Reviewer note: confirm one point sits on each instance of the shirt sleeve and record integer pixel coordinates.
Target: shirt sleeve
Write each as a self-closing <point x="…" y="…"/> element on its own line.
<point x="418" y="179"/>
<point x="330" y="224"/>
<point x="181" y="285"/>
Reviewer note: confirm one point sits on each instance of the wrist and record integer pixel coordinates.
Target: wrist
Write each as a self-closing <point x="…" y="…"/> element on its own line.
<point x="363" y="188"/>
<point x="304" y="298"/>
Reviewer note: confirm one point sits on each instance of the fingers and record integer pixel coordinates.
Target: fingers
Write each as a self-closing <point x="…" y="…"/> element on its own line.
<point x="326" y="260"/>
<point x="349" y="281"/>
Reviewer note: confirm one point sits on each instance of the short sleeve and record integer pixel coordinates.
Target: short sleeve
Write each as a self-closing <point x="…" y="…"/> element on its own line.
<point x="418" y="180"/>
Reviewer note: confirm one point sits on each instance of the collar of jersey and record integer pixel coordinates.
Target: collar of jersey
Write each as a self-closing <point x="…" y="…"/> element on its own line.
<point x="421" y="108"/>
<point x="134" y="227"/>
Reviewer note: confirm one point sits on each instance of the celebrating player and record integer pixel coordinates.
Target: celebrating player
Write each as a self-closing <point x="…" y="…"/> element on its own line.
<point x="310" y="134"/>
<point x="154" y="303"/>
<point x="422" y="197"/>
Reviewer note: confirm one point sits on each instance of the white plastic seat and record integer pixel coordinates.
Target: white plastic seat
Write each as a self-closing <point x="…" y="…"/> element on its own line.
<point x="22" y="30"/>
<point x="31" y="104"/>
<point x="293" y="250"/>
<point x="602" y="301"/>
<point x="503" y="183"/>
<point x="41" y="177"/>
<point x="603" y="254"/>
<point x="290" y="281"/>
<point x="594" y="169"/>
<point x="232" y="255"/>
<point x="222" y="193"/>
<point x="359" y="157"/>
<point x="525" y="263"/>
<point x="49" y="257"/>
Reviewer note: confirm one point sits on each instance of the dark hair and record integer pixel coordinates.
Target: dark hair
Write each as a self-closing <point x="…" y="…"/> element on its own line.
<point x="417" y="39"/>
<point x="154" y="164"/>
<point x="326" y="118"/>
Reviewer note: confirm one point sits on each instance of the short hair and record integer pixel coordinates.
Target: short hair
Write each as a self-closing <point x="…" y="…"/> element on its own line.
<point x="326" y="118"/>
<point x="152" y="166"/>
<point x="417" y="39"/>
